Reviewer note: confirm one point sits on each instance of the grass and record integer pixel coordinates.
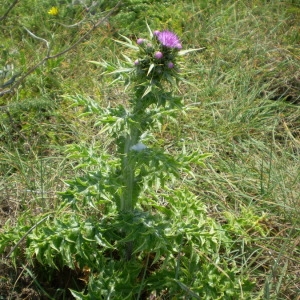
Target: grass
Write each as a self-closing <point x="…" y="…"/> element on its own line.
<point x="246" y="84"/>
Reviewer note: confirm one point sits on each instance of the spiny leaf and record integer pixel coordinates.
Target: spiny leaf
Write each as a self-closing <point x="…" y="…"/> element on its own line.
<point x="129" y="45"/>
<point x="184" y="52"/>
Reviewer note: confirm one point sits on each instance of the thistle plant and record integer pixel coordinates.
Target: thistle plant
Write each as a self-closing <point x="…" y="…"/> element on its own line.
<point x="154" y="65"/>
<point x="153" y="77"/>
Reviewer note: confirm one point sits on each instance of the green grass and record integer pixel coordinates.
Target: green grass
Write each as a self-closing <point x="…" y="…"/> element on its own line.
<point x="246" y="84"/>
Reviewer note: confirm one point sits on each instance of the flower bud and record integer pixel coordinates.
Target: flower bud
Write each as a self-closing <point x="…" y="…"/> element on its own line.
<point x="170" y="65"/>
<point x="158" y="55"/>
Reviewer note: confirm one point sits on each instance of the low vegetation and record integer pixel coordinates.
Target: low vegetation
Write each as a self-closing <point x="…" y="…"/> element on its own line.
<point x="194" y="194"/>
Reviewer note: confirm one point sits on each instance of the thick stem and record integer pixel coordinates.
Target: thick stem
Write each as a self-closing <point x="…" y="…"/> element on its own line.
<point x="128" y="170"/>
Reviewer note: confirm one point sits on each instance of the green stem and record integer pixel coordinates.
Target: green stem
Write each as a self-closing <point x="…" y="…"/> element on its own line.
<point x="128" y="170"/>
<point x="128" y="196"/>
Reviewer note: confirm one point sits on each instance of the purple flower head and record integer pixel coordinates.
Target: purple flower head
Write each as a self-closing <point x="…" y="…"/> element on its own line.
<point x="140" y="41"/>
<point x="136" y="62"/>
<point x="158" y="55"/>
<point x="156" y="32"/>
<point x="168" y="39"/>
<point x="170" y="65"/>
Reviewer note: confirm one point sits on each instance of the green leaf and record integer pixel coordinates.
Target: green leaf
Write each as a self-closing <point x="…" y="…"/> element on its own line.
<point x="127" y="58"/>
<point x="122" y="70"/>
<point x="184" y="52"/>
<point x="129" y="45"/>
<point x="150" y="68"/>
<point x="147" y="91"/>
<point x="150" y="30"/>
<point x="187" y="289"/>
<point x="99" y="63"/>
